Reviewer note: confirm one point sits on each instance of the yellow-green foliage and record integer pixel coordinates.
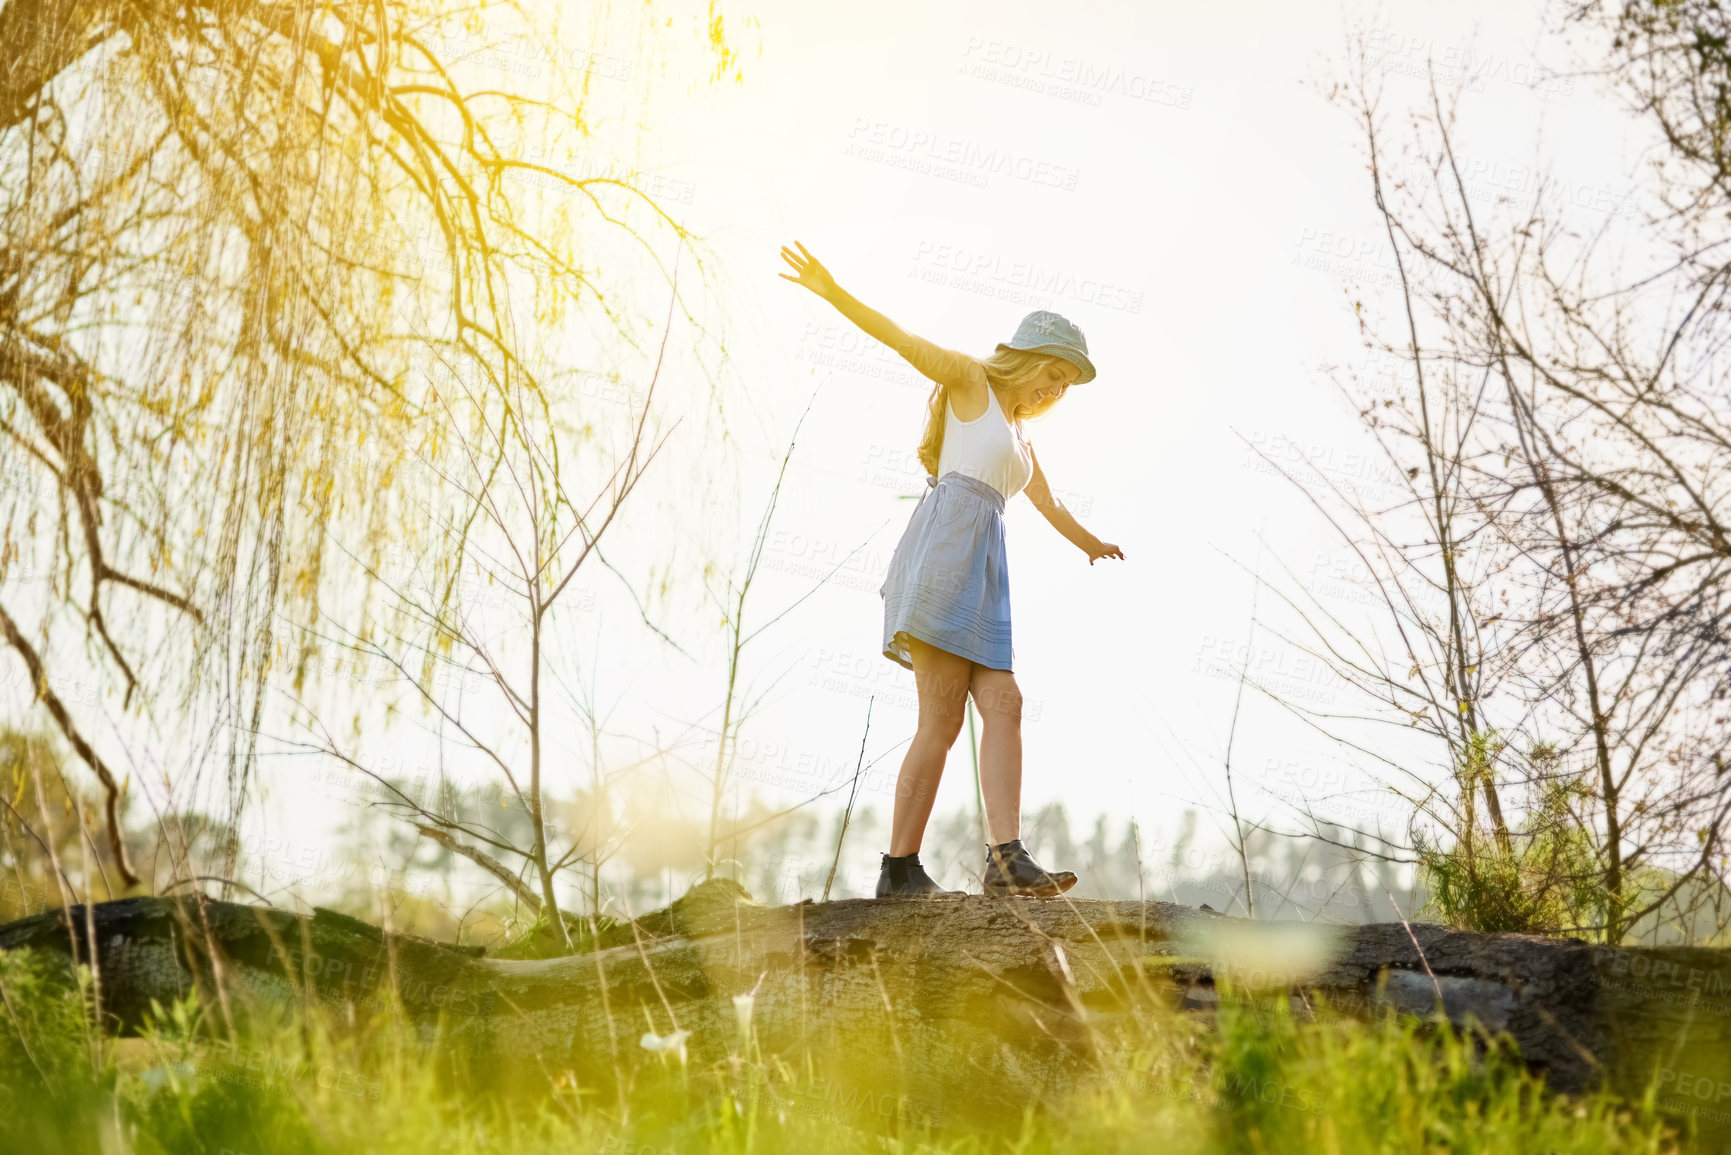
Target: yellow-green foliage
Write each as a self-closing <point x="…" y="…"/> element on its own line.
<point x="1548" y="880"/>
<point x="1253" y="1080"/>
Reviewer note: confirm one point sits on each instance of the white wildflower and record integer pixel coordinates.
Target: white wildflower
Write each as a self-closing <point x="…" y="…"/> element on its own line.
<point x="664" y="1044"/>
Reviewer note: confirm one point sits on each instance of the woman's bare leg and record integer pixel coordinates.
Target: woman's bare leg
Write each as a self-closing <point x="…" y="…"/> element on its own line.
<point x="1000" y="704"/>
<point x="942" y="681"/>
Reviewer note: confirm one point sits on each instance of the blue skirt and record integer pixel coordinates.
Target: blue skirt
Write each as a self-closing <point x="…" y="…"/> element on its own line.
<point x="949" y="580"/>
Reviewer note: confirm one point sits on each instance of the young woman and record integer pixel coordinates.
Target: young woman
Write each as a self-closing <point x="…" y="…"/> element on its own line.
<point x="947" y="596"/>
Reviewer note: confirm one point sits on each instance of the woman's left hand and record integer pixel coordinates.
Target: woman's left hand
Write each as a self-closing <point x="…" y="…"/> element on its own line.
<point x="1102" y="549"/>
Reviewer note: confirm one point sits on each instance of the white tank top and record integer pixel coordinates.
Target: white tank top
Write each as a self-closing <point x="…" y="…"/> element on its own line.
<point x="989" y="448"/>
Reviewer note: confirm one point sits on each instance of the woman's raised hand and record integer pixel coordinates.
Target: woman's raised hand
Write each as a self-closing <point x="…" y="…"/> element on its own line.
<point x="810" y="270"/>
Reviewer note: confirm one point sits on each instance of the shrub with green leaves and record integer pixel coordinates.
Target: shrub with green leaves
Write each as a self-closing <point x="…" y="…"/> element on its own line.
<point x="1547" y="879"/>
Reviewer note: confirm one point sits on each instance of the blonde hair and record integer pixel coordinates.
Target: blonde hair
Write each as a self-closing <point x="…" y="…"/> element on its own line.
<point x="1005" y="369"/>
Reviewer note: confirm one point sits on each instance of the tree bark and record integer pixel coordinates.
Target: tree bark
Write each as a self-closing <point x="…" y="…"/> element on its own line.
<point x="948" y="1010"/>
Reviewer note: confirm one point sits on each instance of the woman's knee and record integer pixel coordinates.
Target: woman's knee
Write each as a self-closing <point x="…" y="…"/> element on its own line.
<point x="940" y="726"/>
<point x="1000" y="700"/>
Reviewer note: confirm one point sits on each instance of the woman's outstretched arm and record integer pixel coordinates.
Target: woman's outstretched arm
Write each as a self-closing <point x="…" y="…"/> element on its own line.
<point x="1040" y="493"/>
<point x="944" y="366"/>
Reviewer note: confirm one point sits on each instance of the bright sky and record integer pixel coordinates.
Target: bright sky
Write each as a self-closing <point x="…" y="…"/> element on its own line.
<point x="1180" y="188"/>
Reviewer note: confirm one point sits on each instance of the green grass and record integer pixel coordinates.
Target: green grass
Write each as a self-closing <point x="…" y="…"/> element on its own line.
<point x="1255" y="1080"/>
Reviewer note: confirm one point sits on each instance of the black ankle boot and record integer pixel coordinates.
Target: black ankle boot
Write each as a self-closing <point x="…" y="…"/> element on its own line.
<point x="1010" y="870"/>
<point x="905" y="878"/>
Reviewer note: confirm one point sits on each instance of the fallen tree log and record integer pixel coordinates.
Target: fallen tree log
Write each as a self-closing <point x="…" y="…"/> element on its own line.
<point x="919" y="1000"/>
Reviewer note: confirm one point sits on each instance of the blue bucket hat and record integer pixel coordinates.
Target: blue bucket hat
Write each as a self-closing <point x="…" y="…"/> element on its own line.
<point x="1046" y="332"/>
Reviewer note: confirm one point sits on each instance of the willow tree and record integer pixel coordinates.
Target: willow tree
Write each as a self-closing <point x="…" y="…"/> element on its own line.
<point x="214" y="293"/>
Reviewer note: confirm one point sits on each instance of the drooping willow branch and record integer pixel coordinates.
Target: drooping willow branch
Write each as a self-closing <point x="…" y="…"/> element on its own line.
<point x="57" y="710"/>
<point x="210" y="328"/>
